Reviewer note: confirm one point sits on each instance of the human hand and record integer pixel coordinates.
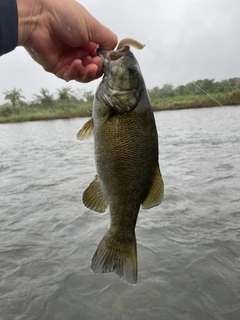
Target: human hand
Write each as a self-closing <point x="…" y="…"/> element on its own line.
<point x="63" y="37"/>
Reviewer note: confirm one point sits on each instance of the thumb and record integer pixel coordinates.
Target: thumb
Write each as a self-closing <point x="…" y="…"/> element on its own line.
<point x="104" y="37"/>
<point x="101" y="35"/>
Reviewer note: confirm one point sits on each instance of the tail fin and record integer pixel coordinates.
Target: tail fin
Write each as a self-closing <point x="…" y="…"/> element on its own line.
<point x="118" y="256"/>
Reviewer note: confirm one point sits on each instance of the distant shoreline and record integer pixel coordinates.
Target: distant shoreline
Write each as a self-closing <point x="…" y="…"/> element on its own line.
<point x="41" y="117"/>
<point x="68" y="104"/>
<point x="57" y="115"/>
<point x="71" y="108"/>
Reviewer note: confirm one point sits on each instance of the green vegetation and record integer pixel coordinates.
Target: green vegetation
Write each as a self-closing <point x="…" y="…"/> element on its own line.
<point x="226" y="92"/>
<point x="45" y="106"/>
<point x="66" y="103"/>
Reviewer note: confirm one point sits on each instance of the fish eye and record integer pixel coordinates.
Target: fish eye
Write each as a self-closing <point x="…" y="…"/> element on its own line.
<point x="131" y="69"/>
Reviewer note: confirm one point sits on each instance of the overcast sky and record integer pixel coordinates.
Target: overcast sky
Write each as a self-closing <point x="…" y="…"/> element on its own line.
<point x="201" y="38"/>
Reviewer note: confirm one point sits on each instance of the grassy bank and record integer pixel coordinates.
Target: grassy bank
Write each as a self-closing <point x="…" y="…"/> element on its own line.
<point x="196" y="101"/>
<point x="56" y="111"/>
<point x="70" y="109"/>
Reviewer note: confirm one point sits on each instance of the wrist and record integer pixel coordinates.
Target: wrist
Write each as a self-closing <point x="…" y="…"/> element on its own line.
<point x="28" y="15"/>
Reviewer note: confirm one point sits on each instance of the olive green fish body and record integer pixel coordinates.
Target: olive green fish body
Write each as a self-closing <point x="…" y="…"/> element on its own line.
<point x="126" y="149"/>
<point x="126" y="155"/>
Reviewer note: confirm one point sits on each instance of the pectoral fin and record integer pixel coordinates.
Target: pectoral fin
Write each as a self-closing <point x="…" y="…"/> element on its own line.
<point x="86" y="131"/>
<point x="93" y="197"/>
<point x="155" y="195"/>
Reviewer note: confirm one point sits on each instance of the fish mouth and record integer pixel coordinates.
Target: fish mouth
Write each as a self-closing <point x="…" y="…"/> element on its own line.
<point x="113" y="54"/>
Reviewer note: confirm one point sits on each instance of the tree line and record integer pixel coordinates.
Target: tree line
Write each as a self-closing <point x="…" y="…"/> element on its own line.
<point x="65" y="95"/>
<point x="198" y="87"/>
<point x="45" y="98"/>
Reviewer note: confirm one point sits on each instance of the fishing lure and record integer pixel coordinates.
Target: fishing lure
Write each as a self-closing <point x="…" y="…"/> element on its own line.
<point x="130" y="42"/>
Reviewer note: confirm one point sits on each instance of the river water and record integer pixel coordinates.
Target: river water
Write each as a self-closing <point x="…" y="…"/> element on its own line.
<point x="188" y="248"/>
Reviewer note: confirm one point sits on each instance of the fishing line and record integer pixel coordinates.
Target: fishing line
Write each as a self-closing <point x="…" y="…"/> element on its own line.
<point x="191" y="81"/>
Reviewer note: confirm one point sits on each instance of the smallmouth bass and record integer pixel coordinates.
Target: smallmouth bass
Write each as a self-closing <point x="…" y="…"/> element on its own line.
<point x="126" y="155"/>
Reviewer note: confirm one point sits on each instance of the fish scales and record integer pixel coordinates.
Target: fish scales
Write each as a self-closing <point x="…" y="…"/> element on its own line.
<point x="125" y="167"/>
<point x="126" y="155"/>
